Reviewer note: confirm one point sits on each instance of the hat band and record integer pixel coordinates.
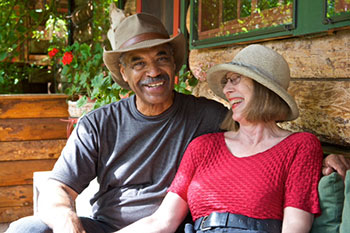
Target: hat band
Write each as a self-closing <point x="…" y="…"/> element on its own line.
<point x="254" y="68"/>
<point x="142" y="37"/>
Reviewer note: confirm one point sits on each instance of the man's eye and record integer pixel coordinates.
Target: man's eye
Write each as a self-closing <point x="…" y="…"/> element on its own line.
<point x="163" y="59"/>
<point x="138" y="65"/>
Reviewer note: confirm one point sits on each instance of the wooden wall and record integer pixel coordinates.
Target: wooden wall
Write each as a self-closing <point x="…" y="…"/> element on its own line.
<point x="32" y="135"/>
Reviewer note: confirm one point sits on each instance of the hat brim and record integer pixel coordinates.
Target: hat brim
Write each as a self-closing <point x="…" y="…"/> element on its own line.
<point x="216" y="73"/>
<point x="112" y="61"/>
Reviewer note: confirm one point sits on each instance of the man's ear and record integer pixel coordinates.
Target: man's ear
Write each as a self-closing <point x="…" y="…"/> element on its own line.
<point x="122" y="71"/>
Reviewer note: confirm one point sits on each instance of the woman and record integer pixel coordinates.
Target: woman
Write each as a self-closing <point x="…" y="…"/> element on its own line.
<point x="256" y="177"/>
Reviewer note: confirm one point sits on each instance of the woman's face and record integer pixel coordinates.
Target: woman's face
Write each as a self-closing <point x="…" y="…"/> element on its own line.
<point x="238" y="90"/>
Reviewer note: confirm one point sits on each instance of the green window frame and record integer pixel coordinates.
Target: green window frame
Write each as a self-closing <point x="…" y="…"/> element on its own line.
<point x="307" y="17"/>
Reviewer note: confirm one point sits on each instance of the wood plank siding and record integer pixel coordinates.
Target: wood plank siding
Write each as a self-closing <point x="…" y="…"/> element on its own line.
<point x="32" y="135"/>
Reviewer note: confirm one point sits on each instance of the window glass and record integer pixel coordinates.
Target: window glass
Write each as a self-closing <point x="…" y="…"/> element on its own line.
<point x="336" y="7"/>
<point x="217" y="18"/>
<point x="161" y="9"/>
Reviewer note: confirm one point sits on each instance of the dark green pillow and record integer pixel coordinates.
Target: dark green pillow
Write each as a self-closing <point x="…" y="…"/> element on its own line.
<point x="345" y="223"/>
<point x="331" y="191"/>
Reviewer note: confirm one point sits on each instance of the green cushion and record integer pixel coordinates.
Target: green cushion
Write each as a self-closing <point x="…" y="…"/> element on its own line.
<point x="331" y="191"/>
<point x="345" y="223"/>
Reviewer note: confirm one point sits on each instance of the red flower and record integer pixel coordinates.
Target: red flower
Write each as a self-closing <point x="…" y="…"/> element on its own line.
<point x="67" y="58"/>
<point x="53" y="52"/>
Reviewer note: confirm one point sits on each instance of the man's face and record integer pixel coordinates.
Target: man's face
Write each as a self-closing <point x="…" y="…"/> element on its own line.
<point x="150" y="74"/>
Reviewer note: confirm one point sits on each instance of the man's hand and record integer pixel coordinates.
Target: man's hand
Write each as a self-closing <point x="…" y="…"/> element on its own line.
<point x="336" y="163"/>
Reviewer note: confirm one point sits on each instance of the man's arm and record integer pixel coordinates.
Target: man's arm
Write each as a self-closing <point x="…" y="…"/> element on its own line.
<point x="57" y="208"/>
<point x="336" y="163"/>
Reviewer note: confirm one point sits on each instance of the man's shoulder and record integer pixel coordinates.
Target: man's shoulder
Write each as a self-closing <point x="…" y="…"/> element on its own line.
<point x="123" y="103"/>
<point x="202" y="101"/>
<point x="108" y="111"/>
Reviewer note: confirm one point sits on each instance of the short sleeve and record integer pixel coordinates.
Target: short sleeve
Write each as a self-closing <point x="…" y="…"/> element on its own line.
<point x="186" y="171"/>
<point x="304" y="174"/>
<point x="76" y="166"/>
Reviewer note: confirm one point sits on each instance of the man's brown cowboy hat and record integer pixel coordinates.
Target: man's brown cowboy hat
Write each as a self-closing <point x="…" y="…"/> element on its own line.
<point x="141" y="31"/>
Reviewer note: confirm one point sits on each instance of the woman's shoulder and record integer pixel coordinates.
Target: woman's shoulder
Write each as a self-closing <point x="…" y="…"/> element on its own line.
<point x="205" y="142"/>
<point x="204" y="147"/>
<point x="304" y="141"/>
<point x="303" y="137"/>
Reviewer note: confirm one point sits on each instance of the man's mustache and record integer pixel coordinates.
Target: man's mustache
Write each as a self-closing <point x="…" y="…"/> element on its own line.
<point x="150" y="80"/>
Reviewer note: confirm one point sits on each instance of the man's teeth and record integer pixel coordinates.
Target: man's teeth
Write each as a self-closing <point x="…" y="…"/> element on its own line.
<point x="155" y="84"/>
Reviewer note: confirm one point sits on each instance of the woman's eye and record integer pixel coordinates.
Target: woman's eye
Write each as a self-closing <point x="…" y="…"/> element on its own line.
<point x="224" y="81"/>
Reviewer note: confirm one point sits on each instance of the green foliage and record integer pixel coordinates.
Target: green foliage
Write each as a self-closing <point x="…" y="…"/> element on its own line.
<point x="186" y="81"/>
<point x="19" y="22"/>
<point x="246" y="8"/>
<point x="106" y="91"/>
<point x="77" y="75"/>
<point x="78" y="67"/>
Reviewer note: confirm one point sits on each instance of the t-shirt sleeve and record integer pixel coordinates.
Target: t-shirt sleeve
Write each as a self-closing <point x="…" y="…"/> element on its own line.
<point x="303" y="176"/>
<point x="76" y="166"/>
<point x="186" y="171"/>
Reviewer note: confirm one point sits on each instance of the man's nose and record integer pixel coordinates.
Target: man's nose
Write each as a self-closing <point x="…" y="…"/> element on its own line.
<point x="153" y="69"/>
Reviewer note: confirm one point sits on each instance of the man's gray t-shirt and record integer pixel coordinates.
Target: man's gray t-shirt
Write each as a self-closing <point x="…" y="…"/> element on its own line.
<point x="134" y="157"/>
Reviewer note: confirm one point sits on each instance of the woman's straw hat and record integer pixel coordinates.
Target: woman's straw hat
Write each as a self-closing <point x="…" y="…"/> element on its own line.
<point x="261" y="64"/>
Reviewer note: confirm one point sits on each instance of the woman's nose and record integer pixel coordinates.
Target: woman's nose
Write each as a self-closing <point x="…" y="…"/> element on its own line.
<point x="228" y="88"/>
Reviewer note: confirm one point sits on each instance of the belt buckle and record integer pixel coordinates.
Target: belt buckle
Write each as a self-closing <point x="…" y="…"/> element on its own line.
<point x="201" y="226"/>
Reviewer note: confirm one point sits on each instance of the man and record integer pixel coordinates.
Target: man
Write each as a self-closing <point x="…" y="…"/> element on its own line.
<point x="133" y="146"/>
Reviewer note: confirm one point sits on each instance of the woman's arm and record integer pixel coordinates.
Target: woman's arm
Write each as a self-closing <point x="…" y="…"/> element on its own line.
<point x="167" y="218"/>
<point x="296" y="220"/>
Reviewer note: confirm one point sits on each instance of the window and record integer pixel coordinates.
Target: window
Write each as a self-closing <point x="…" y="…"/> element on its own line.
<point x="221" y="22"/>
<point x="337" y="10"/>
<point x="227" y="17"/>
<point x="162" y="10"/>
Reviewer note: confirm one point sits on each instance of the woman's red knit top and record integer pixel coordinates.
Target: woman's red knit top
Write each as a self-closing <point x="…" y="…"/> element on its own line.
<point x="211" y="179"/>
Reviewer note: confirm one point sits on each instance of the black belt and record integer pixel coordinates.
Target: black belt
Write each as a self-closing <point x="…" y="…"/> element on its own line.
<point x="216" y="219"/>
